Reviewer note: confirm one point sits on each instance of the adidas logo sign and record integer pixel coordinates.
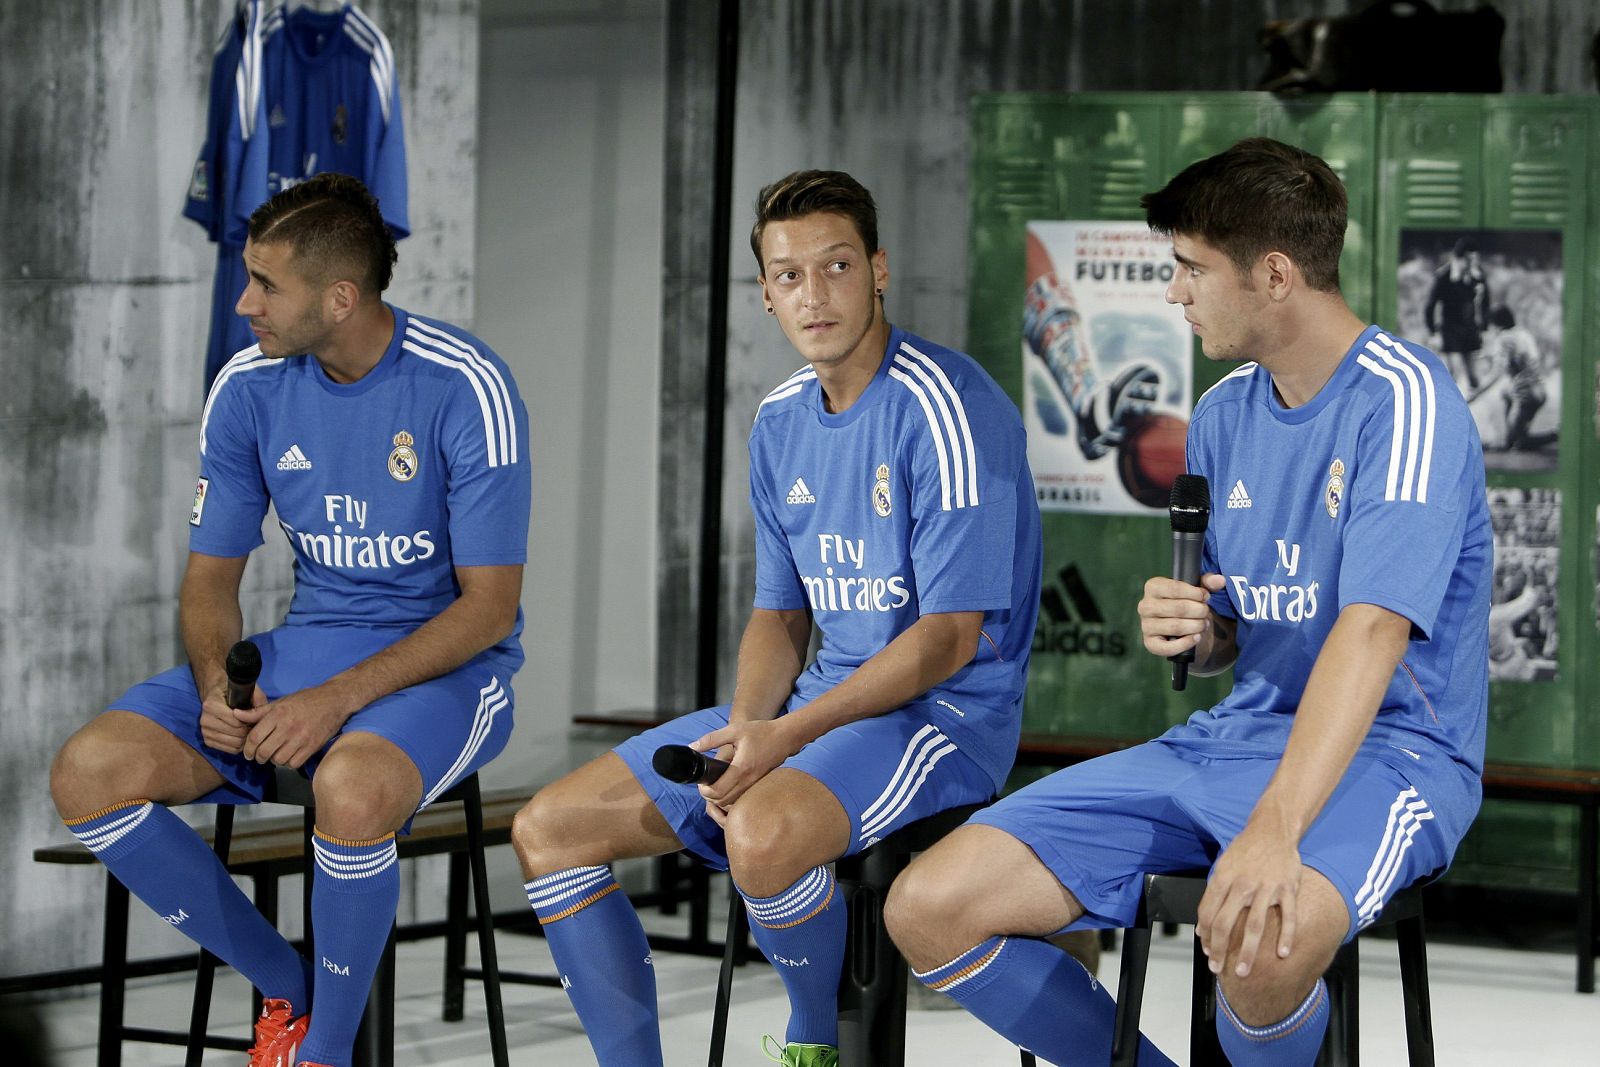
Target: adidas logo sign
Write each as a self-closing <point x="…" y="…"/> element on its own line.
<point x="800" y="493"/>
<point x="294" y="460"/>
<point x="1237" y="497"/>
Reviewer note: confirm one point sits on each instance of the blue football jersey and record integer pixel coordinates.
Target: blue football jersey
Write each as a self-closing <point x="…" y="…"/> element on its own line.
<point x="293" y="94"/>
<point x="382" y="486"/>
<point x="916" y="500"/>
<point x="1370" y="493"/>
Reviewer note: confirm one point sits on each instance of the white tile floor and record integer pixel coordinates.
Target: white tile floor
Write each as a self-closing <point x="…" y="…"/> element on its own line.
<point x="1491" y="1008"/>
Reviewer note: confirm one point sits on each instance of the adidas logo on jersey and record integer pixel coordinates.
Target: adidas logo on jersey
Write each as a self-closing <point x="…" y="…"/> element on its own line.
<point x="294" y="460"/>
<point x="800" y="493"/>
<point x="1237" y="497"/>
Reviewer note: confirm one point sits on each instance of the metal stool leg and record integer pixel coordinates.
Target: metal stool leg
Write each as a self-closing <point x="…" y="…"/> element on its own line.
<point x="730" y="950"/>
<point x="1130" y="995"/>
<point x="113" y="972"/>
<point x="1414" y="987"/>
<point x="455" y="940"/>
<point x="206" y="969"/>
<point x="488" y="959"/>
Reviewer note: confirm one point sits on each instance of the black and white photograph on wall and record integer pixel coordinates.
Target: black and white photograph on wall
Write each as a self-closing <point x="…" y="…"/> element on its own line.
<point x="1524" y="633"/>
<point x="1489" y="302"/>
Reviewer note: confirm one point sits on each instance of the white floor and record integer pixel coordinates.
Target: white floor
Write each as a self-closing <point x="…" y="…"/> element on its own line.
<point x="1491" y="1007"/>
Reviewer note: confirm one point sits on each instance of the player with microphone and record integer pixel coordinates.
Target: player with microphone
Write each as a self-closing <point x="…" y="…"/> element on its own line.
<point x="895" y="513"/>
<point x="404" y="499"/>
<point x="1343" y="572"/>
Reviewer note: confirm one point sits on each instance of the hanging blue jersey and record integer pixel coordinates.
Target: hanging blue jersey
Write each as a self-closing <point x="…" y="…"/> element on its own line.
<point x="1370" y="493"/>
<point x="293" y="94"/>
<point x="916" y="500"/>
<point x="383" y="486"/>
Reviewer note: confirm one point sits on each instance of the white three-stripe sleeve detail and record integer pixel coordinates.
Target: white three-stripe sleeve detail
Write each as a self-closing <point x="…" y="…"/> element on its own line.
<point x="366" y="33"/>
<point x="1399" y="422"/>
<point x="933" y="428"/>
<point x="494" y="457"/>
<point x="964" y="436"/>
<point x="1413" y="427"/>
<point x="957" y="457"/>
<point x="491" y="375"/>
<point x="1430" y="411"/>
<point x="250" y="359"/>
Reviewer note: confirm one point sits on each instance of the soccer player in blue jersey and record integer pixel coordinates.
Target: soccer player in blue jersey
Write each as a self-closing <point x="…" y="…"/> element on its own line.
<point x="1347" y="572"/>
<point x="895" y="512"/>
<point x="392" y="449"/>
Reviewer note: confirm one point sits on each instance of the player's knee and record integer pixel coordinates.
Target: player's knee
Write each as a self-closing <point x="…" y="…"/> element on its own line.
<point x="354" y="803"/>
<point x="539" y="832"/>
<point x="923" y="897"/>
<point x="80" y="771"/>
<point x="767" y="846"/>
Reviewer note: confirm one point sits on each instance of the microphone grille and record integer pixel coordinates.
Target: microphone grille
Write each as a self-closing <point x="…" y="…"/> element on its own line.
<point x="243" y="664"/>
<point x="676" y="763"/>
<point x="1190" y="504"/>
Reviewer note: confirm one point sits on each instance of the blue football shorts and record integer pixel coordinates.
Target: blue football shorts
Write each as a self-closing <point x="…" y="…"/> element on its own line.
<point x="449" y="726"/>
<point x="886" y="772"/>
<point x="1102" y="825"/>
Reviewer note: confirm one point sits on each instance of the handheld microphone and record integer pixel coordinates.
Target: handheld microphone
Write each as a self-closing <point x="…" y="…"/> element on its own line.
<point x="1190" y="511"/>
<point x="682" y="764"/>
<point x="243" y="667"/>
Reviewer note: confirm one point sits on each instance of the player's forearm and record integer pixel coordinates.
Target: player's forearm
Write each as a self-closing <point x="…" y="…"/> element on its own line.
<point x="1337" y="709"/>
<point x="483" y="616"/>
<point x="209" y="617"/>
<point x="928" y="652"/>
<point x="772" y="654"/>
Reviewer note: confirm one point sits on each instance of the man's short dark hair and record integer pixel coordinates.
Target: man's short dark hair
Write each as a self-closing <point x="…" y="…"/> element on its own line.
<point x="1501" y="317"/>
<point x="1257" y="197"/>
<point x="806" y="192"/>
<point x="335" y="228"/>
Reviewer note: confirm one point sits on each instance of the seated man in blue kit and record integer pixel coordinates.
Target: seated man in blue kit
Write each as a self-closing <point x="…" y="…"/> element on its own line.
<point x="895" y="511"/>
<point x="393" y="450"/>
<point x="1346" y="582"/>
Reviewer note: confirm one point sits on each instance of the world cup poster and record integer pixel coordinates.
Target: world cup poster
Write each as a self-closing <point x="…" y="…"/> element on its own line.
<point x="1107" y="375"/>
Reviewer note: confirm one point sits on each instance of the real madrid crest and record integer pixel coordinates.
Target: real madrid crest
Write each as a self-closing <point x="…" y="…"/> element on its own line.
<point x="403" y="460"/>
<point x="880" y="492"/>
<point x="1333" y="496"/>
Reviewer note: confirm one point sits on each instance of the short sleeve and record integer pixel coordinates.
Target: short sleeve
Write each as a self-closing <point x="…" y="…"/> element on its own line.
<point x="1417" y="462"/>
<point x="965" y="455"/>
<point x="489" y="486"/>
<point x="778" y="585"/>
<point x="231" y="495"/>
<point x="386" y="163"/>
<point x="1197" y="461"/>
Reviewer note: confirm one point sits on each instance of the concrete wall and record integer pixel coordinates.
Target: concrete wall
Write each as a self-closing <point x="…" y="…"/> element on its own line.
<point x="104" y="292"/>
<point x="881" y="90"/>
<point x="568" y="291"/>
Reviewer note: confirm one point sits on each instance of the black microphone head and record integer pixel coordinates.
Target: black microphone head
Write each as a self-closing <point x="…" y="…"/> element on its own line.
<point x="678" y="763"/>
<point x="1190" y="504"/>
<point x="244" y="663"/>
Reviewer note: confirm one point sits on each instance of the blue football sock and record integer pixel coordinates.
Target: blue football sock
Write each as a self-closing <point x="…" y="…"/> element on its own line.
<point x="596" y="939"/>
<point x="1038" y="997"/>
<point x="1295" y="1040"/>
<point x="354" y="894"/>
<point x="167" y="865"/>
<point x="802" y="930"/>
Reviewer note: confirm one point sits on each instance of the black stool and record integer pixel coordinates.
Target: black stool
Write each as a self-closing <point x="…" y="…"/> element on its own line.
<point x="1175" y="898"/>
<point x="872" y="987"/>
<point x="375" y="1041"/>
